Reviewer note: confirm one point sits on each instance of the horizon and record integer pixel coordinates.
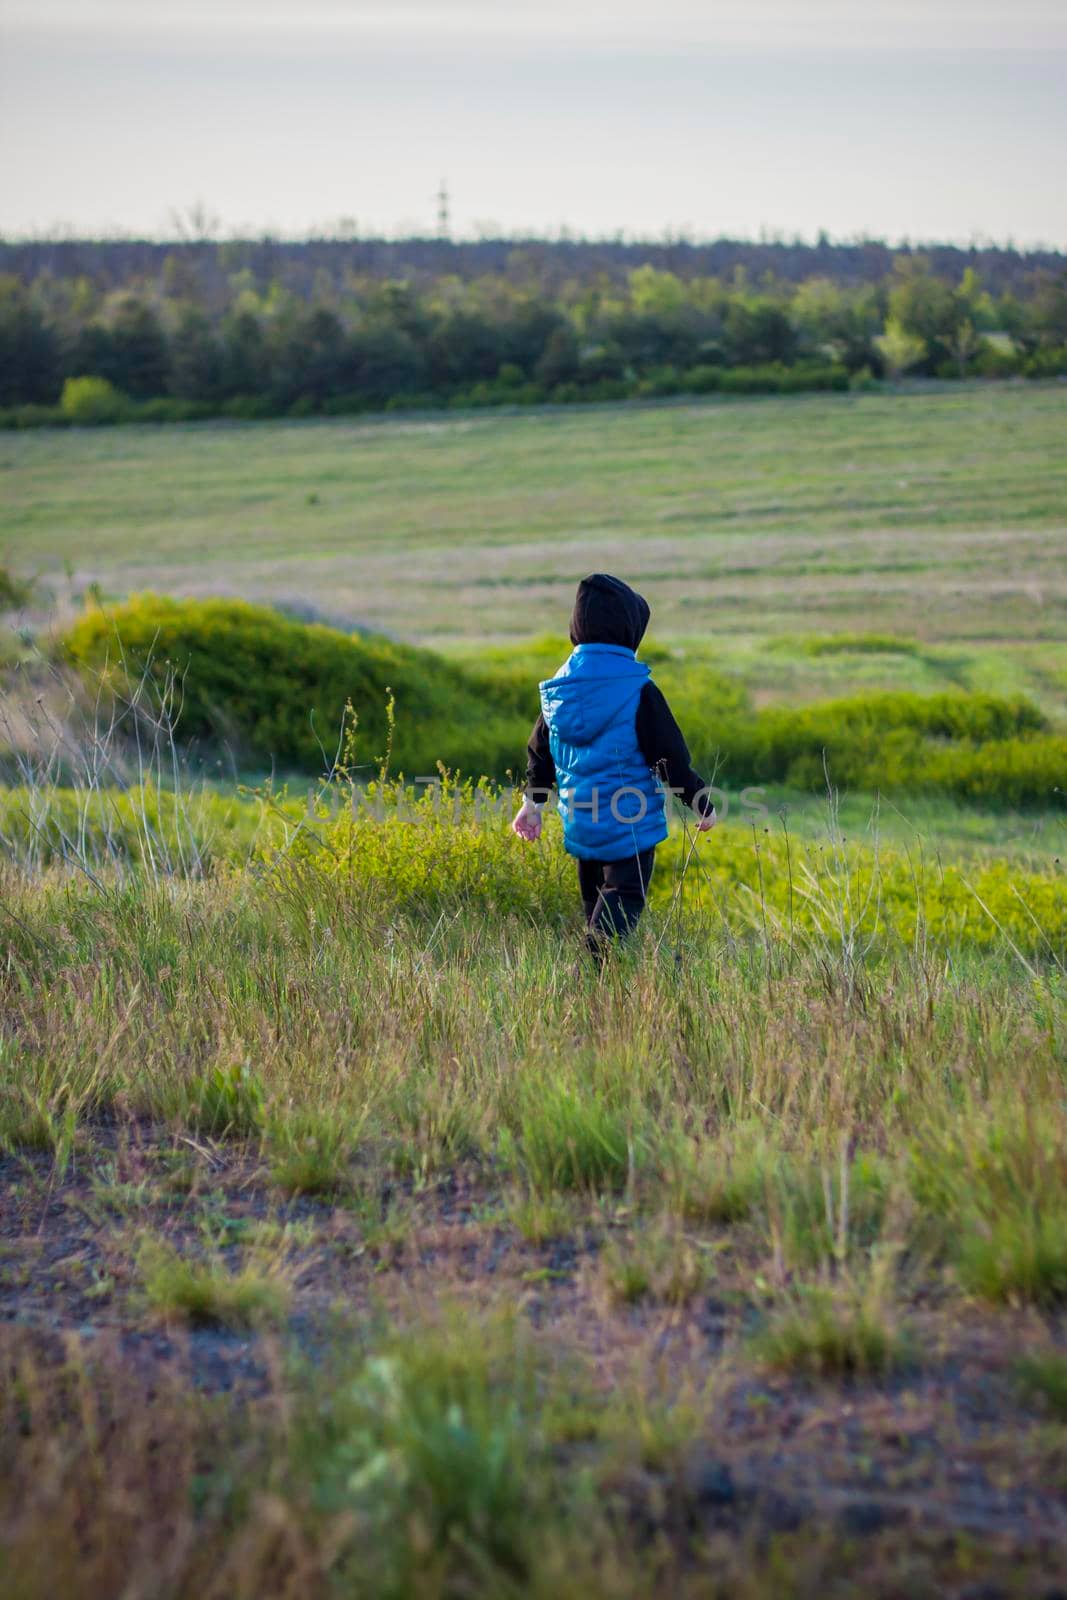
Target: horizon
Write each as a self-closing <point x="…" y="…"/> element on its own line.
<point x="186" y="236"/>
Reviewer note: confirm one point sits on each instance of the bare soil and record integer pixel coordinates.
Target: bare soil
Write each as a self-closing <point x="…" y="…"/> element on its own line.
<point x="949" y="1451"/>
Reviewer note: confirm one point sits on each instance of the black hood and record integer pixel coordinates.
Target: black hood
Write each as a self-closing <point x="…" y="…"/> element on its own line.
<point x="608" y="611"/>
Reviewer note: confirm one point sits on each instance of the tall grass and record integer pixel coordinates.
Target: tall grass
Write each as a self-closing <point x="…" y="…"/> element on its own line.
<point x="223" y="1002"/>
<point x="98" y="776"/>
<point x="373" y="1000"/>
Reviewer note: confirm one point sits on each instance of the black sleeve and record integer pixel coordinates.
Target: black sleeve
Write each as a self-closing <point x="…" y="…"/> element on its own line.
<point x="665" y="750"/>
<point x="540" y="767"/>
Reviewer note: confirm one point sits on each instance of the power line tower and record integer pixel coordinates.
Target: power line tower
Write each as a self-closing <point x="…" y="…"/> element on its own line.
<point x="444" y="224"/>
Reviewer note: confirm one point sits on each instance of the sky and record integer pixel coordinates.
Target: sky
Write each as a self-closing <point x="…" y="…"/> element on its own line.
<point x="902" y="119"/>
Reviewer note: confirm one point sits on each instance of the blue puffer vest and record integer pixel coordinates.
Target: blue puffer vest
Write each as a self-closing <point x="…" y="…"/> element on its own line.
<point x="610" y="803"/>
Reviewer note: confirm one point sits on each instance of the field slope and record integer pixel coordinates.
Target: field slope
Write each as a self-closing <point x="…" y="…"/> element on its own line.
<point x="937" y="513"/>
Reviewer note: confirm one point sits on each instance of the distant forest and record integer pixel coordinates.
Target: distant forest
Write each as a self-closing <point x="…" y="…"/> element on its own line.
<point x="548" y="264"/>
<point x="112" y="330"/>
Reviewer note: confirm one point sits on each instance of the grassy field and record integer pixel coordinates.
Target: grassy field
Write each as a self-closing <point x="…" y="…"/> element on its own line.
<point x="353" y="1242"/>
<point x="358" y="1237"/>
<point x="941" y="514"/>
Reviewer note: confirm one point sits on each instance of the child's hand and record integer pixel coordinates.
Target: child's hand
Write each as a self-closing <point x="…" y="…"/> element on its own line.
<point x="707" y="822"/>
<point x="527" y="822"/>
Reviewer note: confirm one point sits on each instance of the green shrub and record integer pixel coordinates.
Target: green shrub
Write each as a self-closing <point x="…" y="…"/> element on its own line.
<point x="437" y="850"/>
<point x="1014" y="772"/>
<point x="806" y="380"/>
<point x="279" y="688"/>
<point x="785" y="732"/>
<point x="39" y="827"/>
<point x="864" y="382"/>
<point x="822" y="896"/>
<point x="975" y="746"/>
<point x="249" y="408"/>
<point x="15" y="592"/>
<point x="89" y="402"/>
<point x="423" y="401"/>
<point x="704" y="379"/>
<point x="497" y="392"/>
<point x="774" y="378"/>
<point x="33" y="416"/>
<point x="440" y="849"/>
<point x="660" y="383"/>
<point x="996" y="360"/>
<point x="1050" y="363"/>
<point x="166" y="409"/>
<point x="345" y="405"/>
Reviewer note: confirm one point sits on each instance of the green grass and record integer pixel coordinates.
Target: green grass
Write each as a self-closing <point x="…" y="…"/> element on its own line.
<point x="512" y="1245"/>
<point x="940" y="515"/>
<point x="848" y="1331"/>
<point x="206" y="1291"/>
<point x="224" y="1004"/>
<point x="1043" y="1377"/>
<point x="659" y="1262"/>
<point x="733" y="1132"/>
<point x="571" y="1138"/>
<point x="311" y="1151"/>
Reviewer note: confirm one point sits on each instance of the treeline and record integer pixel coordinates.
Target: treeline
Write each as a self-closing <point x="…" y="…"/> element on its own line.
<point x="178" y="343"/>
<point x="549" y="267"/>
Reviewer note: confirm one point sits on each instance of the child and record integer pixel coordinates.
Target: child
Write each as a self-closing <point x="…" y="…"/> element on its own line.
<point x="607" y="739"/>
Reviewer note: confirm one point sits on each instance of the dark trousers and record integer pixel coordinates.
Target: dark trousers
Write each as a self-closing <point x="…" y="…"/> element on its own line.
<point x="614" y="895"/>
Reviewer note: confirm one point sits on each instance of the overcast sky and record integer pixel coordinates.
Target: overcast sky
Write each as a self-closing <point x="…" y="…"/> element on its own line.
<point x="904" y="118"/>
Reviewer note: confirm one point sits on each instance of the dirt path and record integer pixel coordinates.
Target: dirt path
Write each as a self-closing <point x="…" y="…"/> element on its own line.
<point x="947" y="1451"/>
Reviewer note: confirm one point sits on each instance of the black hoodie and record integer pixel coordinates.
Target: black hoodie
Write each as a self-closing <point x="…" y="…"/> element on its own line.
<point x="608" y="611"/>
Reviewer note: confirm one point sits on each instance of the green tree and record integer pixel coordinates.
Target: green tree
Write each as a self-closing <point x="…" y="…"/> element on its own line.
<point x="976" y="304"/>
<point x="382" y="361"/>
<point x="464" y="348"/>
<point x="925" y="307"/>
<point x="196" y="358"/>
<point x="654" y="293"/>
<point x="560" y="361"/>
<point x="601" y="363"/>
<point x="836" y="323"/>
<point x="29" y="352"/>
<point x="1046" y="321"/>
<point x="527" y="333"/>
<point x="964" y="345"/>
<point x="758" y="330"/>
<point x="900" y="350"/>
<point x="1010" y="316"/>
<point x="308" y="357"/>
<point x="648" y="340"/>
<point x="245" y="362"/>
<point x="132" y="352"/>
